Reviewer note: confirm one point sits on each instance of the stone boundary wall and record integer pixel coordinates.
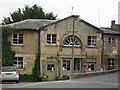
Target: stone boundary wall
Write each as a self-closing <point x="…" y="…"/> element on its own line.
<point x="90" y="74"/>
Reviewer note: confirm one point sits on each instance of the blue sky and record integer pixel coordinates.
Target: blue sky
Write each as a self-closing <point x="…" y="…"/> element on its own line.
<point x="97" y="12"/>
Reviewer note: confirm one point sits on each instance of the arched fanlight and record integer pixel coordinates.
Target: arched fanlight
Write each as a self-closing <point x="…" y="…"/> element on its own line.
<point x="69" y="41"/>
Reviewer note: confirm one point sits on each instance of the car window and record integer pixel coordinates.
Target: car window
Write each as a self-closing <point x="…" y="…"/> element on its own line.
<point x="8" y="69"/>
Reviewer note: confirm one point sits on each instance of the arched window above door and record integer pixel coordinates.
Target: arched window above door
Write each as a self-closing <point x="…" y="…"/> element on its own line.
<point x="69" y="41"/>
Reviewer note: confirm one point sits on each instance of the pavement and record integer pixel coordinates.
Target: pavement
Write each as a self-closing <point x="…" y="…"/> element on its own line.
<point x="100" y="81"/>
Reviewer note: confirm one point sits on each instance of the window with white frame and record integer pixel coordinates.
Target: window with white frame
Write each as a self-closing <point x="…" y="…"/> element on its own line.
<point x="17" y="39"/>
<point x="69" y="41"/>
<point x="91" y="66"/>
<point x="92" y="41"/>
<point x="111" y="40"/>
<point x="111" y="63"/>
<point x="51" y="39"/>
<point x="66" y="65"/>
<point x="18" y="62"/>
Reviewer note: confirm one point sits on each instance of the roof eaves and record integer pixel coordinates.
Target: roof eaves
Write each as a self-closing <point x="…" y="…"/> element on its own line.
<point x="110" y="31"/>
<point x="92" y="26"/>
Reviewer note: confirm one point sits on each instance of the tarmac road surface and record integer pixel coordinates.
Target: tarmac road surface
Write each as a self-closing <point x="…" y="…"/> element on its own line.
<point x="101" y="81"/>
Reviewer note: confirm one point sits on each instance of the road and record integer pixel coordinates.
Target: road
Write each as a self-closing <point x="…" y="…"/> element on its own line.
<point x="101" y="81"/>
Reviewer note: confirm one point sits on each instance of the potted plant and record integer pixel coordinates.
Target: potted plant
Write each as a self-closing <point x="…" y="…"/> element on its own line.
<point x="43" y="77"/>
<point x="61" y="77"/>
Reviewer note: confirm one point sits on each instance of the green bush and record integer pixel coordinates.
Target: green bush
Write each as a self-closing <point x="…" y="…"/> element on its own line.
<point x="36" y="69"/>
<point x="110" y="68"/>
<point x="34" y="77"/>
<point x="26" y="78"/>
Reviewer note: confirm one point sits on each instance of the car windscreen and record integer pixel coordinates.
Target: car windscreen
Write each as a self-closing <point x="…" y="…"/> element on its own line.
<point x="8" y="70"/>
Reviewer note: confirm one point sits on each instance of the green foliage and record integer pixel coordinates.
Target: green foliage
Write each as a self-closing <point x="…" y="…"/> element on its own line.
<point x="7" y="53"/>
<point x="59" y="75"/>
<point x="34" y="12"/>
<point x="26" y="78"/>
<point x="110" y="68"/>
<point x="8" y="56"/>
<point x="36" y="69"/>
<point x="34" y="77"/>
<point x="43" y="76"/>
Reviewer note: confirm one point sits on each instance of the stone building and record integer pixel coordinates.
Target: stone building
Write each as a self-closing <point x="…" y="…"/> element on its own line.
<point x="66" y="46"/>
<point x="114" y="27"/>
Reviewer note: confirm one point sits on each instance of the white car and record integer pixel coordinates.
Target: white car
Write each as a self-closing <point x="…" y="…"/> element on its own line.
<point x="9" y="73"/>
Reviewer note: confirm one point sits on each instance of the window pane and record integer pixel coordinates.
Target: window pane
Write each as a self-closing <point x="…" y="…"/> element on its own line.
<point x="20" y="35"/>
<point x="50" y="67"/>
<point x="91" y="40"/>
<point x="17" y="38"/>
<point x="18" y="62"/>
<point x="20" y="41"/>
<point x="76" y="64"/>
<point x="14" y="35"/>
<point x="15" y="41"/>
<point x="51" y="39"/>
<point x="66" y="64"/>
<point x="111" y="62"/>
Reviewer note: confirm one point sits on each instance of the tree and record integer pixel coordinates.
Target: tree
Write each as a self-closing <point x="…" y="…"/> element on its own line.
<point x="34" y="12"/>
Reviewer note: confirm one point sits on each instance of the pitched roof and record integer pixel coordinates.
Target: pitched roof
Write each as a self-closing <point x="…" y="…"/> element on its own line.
<point x="41" y="23"/>
<point x="75" y="16"/>
<point x="31" y="23"/>
<point x="110" y="31"/>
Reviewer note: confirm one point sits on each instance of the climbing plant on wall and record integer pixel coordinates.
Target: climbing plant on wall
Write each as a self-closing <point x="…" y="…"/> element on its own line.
<point x="7" y="53"/>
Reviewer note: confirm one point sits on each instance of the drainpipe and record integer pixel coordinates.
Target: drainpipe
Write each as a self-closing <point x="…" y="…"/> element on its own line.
<point x="103" y="51"/>
<point x="39" y="47"/>
<point x="72" y="61"/>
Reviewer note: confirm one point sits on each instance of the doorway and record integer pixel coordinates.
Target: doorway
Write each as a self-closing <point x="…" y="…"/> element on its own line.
<point x="51" y="71"/>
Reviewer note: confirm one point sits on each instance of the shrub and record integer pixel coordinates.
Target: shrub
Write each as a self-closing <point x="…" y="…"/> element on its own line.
<point x="26" y="78"/>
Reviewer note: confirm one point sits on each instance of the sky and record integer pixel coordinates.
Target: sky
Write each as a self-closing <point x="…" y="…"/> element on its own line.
<point x="99" y="13"/>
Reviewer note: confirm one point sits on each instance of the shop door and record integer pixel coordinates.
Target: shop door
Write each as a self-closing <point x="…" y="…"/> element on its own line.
<point x="51" y="71"/>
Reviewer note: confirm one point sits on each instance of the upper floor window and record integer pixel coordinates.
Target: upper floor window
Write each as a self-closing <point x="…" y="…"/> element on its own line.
<point x="111" y="40"/>
<point x="17" y="39"/>
<point x="69" y="41"/>
<point x="92" y="41"/>
<point x="51" y="39"/>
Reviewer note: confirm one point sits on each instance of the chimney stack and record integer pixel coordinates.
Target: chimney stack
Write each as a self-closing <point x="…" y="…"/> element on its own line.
<point x="113" y="23"/>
